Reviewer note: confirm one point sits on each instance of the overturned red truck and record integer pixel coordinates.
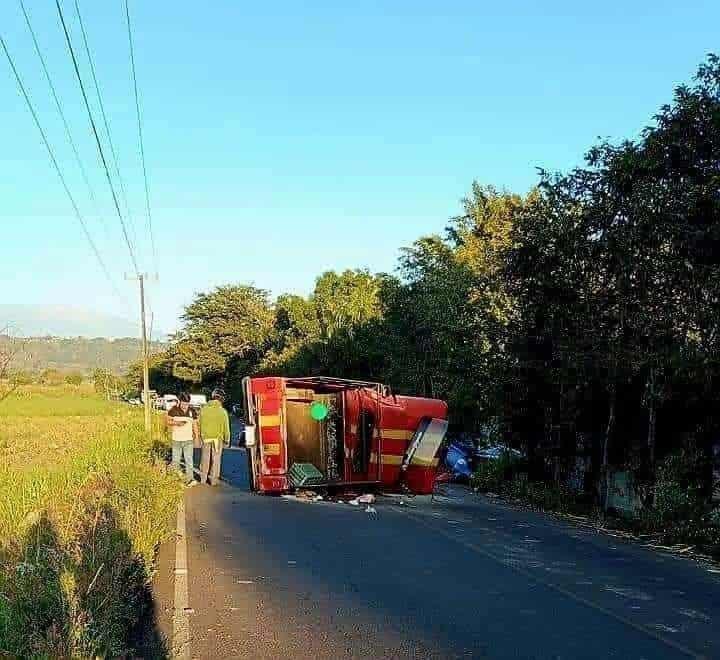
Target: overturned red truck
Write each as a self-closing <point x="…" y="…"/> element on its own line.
<point x="365" y="436"/>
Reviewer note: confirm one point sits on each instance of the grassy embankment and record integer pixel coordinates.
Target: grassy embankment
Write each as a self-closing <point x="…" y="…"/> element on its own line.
<point x="84" y="501"/>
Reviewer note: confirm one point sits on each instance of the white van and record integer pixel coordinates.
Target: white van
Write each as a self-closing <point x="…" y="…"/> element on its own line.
<point x="197" y="401"/>
<point x="170" y="401"/>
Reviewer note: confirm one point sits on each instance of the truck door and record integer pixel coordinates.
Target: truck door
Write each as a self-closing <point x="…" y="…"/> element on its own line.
<point x="420" y="462"/>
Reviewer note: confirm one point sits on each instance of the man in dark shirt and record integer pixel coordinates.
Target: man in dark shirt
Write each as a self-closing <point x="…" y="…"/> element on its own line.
<point x="182" y="422"/>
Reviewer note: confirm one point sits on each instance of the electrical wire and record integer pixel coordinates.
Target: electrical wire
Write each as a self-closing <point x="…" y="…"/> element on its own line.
<point x="106" y="123"/>
<point x="140" y="135"/>
<point x="60" y="174"/>
<point x="97" y="139"/>
<point x="61" y="112"/>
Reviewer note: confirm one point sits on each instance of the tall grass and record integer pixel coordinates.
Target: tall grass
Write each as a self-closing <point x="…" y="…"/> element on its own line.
<point x="79" y="525"/>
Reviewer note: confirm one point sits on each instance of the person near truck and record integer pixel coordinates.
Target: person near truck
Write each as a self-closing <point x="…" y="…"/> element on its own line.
<point x="215" y="433"/>
<point x="182" y="422"/>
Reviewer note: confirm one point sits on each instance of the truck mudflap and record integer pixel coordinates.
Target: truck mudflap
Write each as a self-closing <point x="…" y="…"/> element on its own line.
<point x="420" y="463"/>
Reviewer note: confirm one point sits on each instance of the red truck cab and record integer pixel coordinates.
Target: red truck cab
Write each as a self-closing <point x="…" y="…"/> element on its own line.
<point x="369" y="437"/>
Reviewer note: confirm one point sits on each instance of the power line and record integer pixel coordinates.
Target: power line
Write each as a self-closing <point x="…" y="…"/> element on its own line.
<point x="58" y="105"/>
<point x="97" y="139"/>
<point x="54" y="161"/>
<point x="106" y="123"/>
<point x="140" y="134"/>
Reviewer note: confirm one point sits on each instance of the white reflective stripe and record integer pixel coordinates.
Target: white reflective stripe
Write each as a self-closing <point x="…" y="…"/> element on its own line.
<point x="181" y="622"/>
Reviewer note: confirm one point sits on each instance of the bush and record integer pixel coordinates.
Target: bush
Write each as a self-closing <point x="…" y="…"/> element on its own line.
<point x="22" y="378"/>
<point x="508" y="476"/>
<point x="678" y="502"/>
<point x="545" y="496"/>
<point x="679" y="510"/>
<point x="74" y="379"/>
<point x="491" y="476"/>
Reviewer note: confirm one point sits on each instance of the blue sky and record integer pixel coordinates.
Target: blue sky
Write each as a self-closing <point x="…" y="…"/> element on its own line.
<point x="287" y="138"/>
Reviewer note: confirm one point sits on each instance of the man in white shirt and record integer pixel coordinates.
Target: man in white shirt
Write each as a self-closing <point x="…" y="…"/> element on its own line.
<point x="182" y="422"/>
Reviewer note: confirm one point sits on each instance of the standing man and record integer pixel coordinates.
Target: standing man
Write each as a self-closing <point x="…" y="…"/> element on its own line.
<point x="215" y="432"/>
<point x="182" y="422"/>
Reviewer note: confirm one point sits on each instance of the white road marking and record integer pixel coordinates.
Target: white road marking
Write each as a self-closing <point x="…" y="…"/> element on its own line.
<point x="633" y="594"/>
<point x="181" y="622"/>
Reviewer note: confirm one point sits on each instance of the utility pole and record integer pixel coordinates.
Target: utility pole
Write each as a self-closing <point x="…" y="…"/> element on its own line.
<point x="146" y="356"/>
<point x="142" y="278"/>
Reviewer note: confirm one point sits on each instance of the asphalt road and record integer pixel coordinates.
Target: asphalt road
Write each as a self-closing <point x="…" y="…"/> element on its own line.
<point x="458" y="577"/>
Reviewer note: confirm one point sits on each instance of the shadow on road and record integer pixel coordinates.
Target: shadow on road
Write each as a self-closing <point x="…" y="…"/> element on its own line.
<point x="274" y="578"/>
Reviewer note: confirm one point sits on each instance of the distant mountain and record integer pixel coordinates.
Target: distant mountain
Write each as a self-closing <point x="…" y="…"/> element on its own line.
<point x="63" y="321"/>
<point x="36" y="354"/>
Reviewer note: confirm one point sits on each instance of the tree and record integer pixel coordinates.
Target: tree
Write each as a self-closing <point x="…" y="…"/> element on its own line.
<point x="331" y="331"/>
<point x="229" y="328"/>
<point x="446" y="316"/>
<point x="74" y="378"/>
<point x="11" y="351"/>
<point x="106" y="383"/>
<point x="614" y="269"/>
<point x="662" y="233"/>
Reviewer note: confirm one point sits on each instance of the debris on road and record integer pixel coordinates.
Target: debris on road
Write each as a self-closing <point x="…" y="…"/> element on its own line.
<point x="303" y="496"/>
<point x="353" y="499"/>
<point x="366" y="498"/>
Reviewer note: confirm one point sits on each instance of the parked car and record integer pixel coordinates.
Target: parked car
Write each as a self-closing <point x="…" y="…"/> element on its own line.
<point x="459" y="459"/>
<point x="464" y="454"/>
<point x="197" y="401"/>
<point x="495" y="452"/>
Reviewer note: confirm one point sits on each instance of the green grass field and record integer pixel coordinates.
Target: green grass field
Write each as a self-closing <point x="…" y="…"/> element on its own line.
<point x="85" y="498"/>
<point x="61" y="401"/>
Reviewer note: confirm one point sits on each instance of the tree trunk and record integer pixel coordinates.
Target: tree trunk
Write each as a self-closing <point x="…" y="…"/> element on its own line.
<point x="652" y="402"/>
<point x="652" y="422"/>
<point x="609" y="431"/>
<point x="604" y="470"/>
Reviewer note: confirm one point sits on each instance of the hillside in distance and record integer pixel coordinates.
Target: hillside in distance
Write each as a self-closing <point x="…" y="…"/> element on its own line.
<point x="72" y="354"/>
